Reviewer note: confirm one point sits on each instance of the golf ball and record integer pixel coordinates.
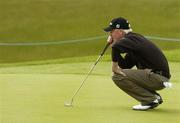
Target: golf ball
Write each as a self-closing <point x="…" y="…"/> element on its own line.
<point x="68" y="105"/>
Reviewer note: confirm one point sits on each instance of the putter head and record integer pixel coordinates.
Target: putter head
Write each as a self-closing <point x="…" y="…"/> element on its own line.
<point x="68" y="104"/>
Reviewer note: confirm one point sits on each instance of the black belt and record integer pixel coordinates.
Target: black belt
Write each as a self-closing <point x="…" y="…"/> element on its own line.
<point x="162" y="73"/>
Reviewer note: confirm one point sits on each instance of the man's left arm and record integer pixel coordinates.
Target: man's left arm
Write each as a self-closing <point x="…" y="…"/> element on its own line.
<point x="115" y="57"/>
<point x="116" y="69"/>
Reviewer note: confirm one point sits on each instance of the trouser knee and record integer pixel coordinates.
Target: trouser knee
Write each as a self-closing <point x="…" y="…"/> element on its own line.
<point x="118" y="78"/>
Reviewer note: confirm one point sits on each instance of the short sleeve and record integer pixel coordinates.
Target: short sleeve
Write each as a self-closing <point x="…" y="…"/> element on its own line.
<point x="115" y="54"/>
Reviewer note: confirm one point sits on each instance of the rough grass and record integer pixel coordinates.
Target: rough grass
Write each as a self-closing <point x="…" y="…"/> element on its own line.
<point x="53" y="20"/>
<point x="43" y="20"/>
<point x="172" y="56"/>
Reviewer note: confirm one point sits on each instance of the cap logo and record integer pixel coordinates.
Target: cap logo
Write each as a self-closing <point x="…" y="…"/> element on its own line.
<point x="118" y="26"/>
<point x="111" y="23"/>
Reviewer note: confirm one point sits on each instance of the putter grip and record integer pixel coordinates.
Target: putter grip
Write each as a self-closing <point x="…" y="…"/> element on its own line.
<point x="104" y="50"/>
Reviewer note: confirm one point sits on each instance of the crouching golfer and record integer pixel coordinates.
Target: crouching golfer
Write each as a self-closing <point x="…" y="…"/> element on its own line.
<point x="152" y="71"/>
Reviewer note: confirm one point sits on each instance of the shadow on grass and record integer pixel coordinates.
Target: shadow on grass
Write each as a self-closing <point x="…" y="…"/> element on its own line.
<point x="166" y="111"/>
<point x="129" y="108"/>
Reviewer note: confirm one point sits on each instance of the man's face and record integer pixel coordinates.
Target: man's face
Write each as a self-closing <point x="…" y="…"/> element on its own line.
<point x="117" y="34"/>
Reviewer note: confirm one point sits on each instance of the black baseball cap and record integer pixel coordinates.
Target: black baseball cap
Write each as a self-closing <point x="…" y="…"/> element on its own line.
<point x="118" y="23"/>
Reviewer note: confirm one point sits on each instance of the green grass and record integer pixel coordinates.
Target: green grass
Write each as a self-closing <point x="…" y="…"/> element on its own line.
<point x="54" y="20"/>
<point x="42" y="20"/>
<point x="36" y="94"/>
<point x="37" y="80"/>
<point x="172" y="55"/>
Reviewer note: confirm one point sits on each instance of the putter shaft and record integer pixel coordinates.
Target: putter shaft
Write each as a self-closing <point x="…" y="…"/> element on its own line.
<point x="82" y="83"/>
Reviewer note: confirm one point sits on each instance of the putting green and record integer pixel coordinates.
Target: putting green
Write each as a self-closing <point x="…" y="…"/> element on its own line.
<point x="36" y="94"/>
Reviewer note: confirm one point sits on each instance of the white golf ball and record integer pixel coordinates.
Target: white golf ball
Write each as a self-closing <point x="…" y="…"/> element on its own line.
<point x="68" y="105"/>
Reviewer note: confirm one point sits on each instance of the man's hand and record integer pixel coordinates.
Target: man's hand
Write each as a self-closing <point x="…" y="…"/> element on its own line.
<point x="116" y="69"/>
<point x="110" y="40"/>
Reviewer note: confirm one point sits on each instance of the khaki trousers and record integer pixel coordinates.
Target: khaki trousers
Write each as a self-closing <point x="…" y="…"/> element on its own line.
<point x="140" y="84"/>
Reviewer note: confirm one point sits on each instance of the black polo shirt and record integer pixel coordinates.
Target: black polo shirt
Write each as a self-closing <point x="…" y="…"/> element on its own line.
<point x="140" y="52"/>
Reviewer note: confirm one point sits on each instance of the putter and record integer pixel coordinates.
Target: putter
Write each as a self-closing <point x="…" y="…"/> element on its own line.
<point x="70" y="102"/>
